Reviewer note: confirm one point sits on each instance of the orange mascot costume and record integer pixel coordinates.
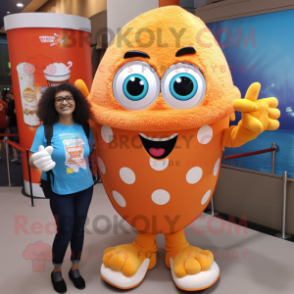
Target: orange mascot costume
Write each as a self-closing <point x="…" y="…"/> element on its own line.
<point x="161" y="101"/>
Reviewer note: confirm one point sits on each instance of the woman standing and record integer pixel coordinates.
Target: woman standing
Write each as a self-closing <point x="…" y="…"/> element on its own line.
<point x="68" y="111"/>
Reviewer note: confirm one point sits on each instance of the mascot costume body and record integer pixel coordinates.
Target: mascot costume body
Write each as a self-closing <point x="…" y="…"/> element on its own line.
<point x="161" y="100"/>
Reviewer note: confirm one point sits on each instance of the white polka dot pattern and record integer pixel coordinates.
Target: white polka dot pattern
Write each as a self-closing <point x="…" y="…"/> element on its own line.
<point x="205" y="135"/>
<point x="194" y="175"/>
<point x="127" y="175"/>
<point x="205" y="197"/>
<point x="101" y="165"/>
<point x="120" y="200"/>
<point x="160" y="197"/>
<point x="107" y="134"/>
<point x="159" y="165"/>
<point x="216" y="167"/>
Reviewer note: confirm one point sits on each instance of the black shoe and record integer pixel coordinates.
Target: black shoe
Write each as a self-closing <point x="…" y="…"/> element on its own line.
<point x="58" y="282"/>
<point x="77" y="279"/>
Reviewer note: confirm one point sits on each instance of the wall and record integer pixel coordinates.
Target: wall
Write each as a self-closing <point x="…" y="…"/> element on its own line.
<point x="34" y="5"/>
<point x="168" y="2"/>
<point x="256" y="195"/>
<point x="99" y="30"/>
<point x="85" y="8"/>
<point x="230" y="9"/>
<point x="121" y="12"/>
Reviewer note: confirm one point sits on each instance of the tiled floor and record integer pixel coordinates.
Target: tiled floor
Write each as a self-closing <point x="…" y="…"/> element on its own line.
<point x="250" y="262"/>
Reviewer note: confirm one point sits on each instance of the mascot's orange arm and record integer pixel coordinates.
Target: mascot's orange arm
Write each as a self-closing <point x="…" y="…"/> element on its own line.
<point x="257" y="117"/>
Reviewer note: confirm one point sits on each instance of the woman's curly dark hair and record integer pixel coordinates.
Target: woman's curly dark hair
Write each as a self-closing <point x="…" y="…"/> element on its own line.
<point x="46" y="108"/>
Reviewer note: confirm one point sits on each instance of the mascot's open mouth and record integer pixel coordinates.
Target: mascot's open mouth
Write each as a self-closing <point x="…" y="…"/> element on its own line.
<point x="159" y="148"/>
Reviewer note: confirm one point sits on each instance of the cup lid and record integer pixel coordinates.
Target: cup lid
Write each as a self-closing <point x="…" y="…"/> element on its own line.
<point x="56" y="76"/>
<point x="46" y="20"/>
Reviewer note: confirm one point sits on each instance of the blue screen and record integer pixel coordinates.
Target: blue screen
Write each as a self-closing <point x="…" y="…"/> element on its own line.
<point x="261" y="49"/>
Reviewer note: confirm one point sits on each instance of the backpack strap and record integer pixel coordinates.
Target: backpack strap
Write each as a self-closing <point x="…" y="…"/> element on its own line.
<point x="48" y="133"/>
<point x="86" y="128"/>
<point x="48" y="128"/>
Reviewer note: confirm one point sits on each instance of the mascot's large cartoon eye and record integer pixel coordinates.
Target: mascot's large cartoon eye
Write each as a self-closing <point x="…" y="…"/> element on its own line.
<point x="183" y="86"/>
<point x="136" y="85"/>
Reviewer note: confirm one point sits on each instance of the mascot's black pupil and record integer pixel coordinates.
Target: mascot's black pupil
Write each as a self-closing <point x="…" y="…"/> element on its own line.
<point x="135" y="86"/>
<point x="183" y="86"/>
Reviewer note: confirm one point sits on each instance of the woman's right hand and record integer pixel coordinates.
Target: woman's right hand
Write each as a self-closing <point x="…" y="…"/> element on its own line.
<point x="42" y="159"/>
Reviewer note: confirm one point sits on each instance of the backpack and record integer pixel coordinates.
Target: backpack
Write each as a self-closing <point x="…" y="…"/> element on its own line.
<point x="46" y="185"/>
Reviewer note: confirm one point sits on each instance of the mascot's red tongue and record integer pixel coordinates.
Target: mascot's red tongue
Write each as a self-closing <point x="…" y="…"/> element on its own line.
<point x="156" y="152"/>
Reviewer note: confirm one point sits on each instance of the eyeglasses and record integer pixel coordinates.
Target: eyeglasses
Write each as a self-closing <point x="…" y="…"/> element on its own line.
<point x="60" y="99"/>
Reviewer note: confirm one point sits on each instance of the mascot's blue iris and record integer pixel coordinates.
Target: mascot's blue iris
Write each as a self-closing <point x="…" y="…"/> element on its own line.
<point x="135" y="87"/>
<point x="183" y="86"/>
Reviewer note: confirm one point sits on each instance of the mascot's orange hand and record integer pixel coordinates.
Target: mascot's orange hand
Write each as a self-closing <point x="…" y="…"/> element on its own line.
<point x="80" y="84"/>
<point x="257" y="116"/>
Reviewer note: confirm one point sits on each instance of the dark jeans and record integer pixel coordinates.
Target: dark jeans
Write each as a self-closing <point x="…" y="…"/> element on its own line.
<point x="14" y="130"/>
<point x="2" y="131"/>
<point x="70" y="213"/>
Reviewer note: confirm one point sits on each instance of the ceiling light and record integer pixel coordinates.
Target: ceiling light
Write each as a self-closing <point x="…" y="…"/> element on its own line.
<point x="8" y="12"/>
<point x="19" y="4"/>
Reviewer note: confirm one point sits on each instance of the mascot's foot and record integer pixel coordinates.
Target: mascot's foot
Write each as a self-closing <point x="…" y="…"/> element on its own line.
<point x="119" y="280"/>
<point x="125" y="266"/>
<point x="197" y="282"/>
<point x="193" y="269"/>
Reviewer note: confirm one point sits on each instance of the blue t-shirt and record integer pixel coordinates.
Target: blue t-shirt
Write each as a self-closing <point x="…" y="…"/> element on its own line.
<point x="70" y="152"/>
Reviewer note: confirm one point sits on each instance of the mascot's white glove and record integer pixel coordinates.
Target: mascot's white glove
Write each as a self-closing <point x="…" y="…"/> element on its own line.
<point x="42" y="159"/>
